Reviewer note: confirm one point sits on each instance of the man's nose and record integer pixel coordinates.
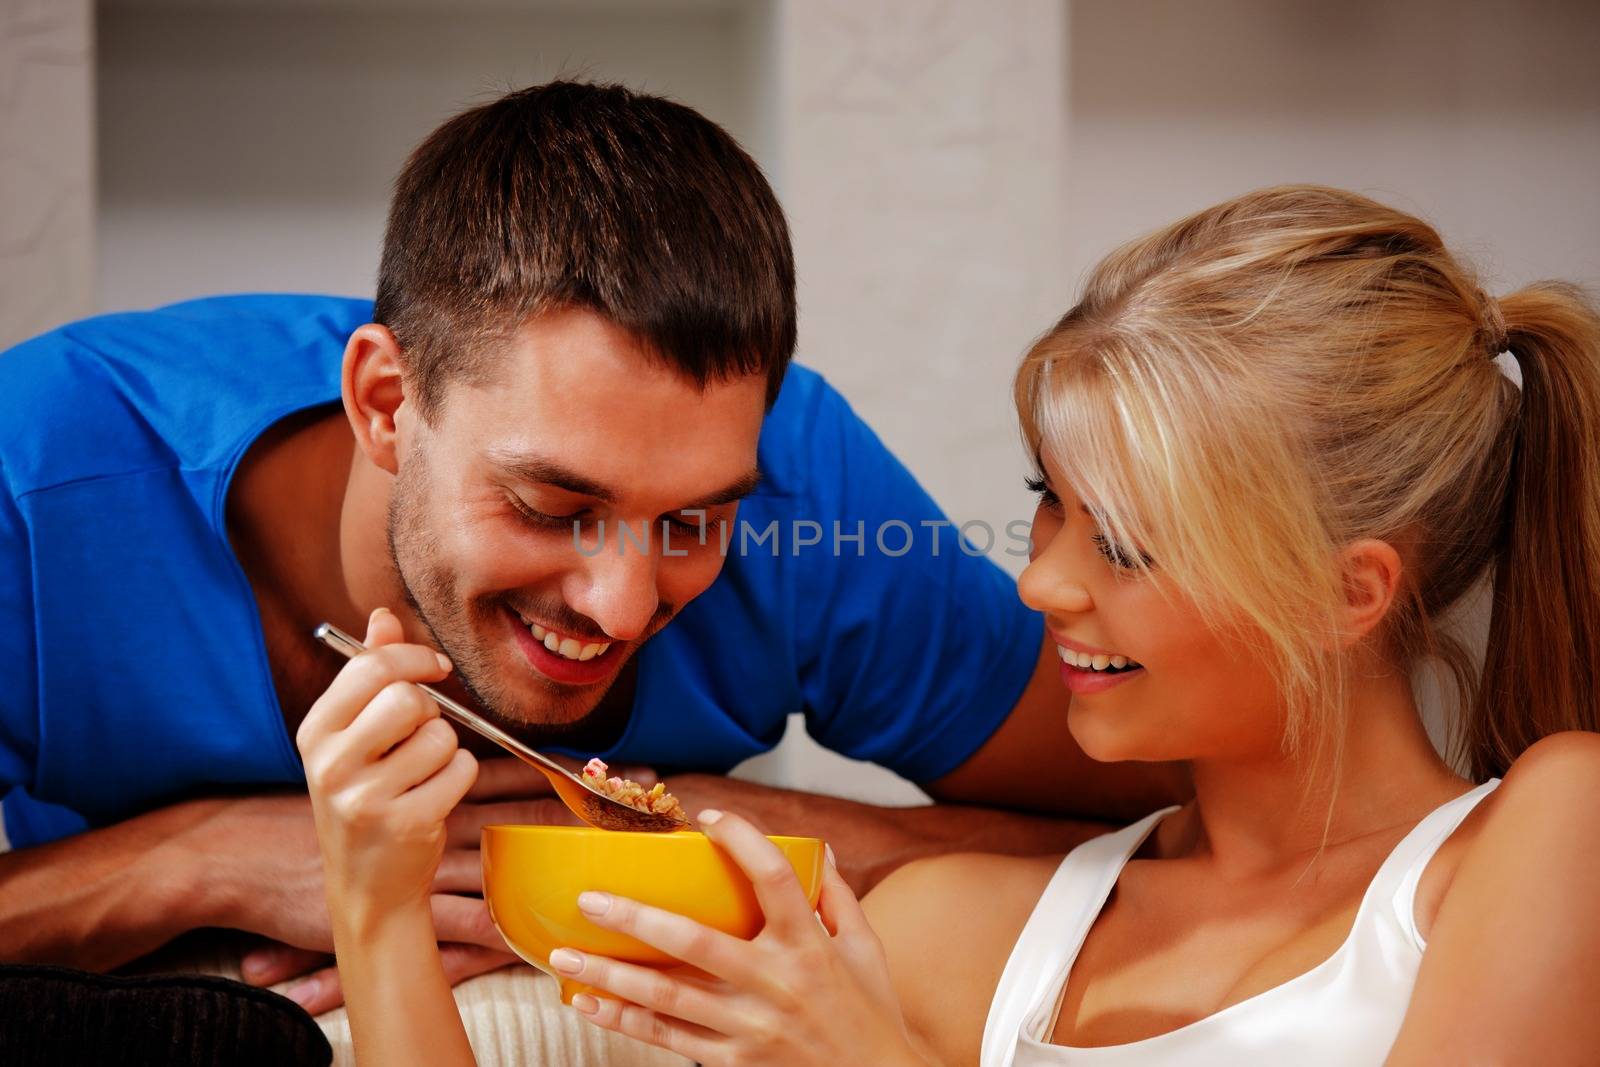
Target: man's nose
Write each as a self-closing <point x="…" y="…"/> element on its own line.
<point x="617" y="589"/>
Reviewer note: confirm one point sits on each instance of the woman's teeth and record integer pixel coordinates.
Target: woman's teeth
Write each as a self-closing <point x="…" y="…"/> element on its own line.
<point x="1098" y="662"/>
<point x="566" y="647"/>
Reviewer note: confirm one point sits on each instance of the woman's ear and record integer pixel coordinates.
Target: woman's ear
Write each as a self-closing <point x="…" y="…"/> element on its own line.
<point x="1372" y="574"/>
<point x="374" y="392"/>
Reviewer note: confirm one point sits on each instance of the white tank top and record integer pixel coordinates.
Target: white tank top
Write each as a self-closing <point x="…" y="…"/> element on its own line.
<point x="1345" y="1012"/>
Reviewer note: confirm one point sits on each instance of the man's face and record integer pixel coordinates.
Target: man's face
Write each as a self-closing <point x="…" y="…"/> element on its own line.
<point x="578" y="424"/>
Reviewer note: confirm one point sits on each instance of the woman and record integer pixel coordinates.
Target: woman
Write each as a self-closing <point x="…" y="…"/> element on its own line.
<point x="1275" y="447"/>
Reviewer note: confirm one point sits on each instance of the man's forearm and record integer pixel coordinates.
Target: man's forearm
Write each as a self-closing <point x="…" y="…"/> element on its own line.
<point x="870" y="841"/>
<point x="102" y="898"/>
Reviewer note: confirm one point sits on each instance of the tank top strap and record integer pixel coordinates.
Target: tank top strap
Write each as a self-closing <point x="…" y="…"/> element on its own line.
<point x="1054" y="932"/>
<point x="1396" y="882"/>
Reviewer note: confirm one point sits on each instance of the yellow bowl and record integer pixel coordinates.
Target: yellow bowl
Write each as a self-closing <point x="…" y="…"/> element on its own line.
<point x="532" y="876"/>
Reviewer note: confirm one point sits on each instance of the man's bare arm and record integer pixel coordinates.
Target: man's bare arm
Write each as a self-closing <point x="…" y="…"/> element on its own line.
<point x="102" y="898"/>
<point x="872" y="841"/>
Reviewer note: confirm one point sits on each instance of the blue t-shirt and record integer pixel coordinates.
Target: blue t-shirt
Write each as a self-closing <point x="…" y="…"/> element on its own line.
<point x="133" y="670"/>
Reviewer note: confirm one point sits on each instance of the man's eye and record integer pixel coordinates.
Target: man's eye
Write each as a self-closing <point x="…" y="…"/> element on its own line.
<point x="542" y="520"/>
<point x="1118" y="556"/>
<point x="1046" y="495"/>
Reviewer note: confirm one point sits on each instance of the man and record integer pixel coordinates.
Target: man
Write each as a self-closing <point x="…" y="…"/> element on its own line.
<point x="574" y="383"/>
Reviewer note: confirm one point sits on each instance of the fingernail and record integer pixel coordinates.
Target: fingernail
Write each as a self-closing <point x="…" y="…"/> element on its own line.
<point x="303" y="993"/>
<point x="256" y="965"/>
<point x="709" y="816"/>
<point x="444" y="662"/>
<point x="585" y="1003"/>
<point x="827" y="850"/>
<point x="594" y="903"/>
<point x="566" y="961"/>
<point x="380" y="611"/>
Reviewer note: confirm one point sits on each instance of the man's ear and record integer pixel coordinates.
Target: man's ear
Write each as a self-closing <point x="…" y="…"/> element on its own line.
<point x="374" y="393"/>
<point x="1372" y="575"/>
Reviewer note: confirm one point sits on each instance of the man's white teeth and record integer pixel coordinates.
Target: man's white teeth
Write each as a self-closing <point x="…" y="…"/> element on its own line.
<point x="566" y="647"/>
<point x="1093" y="662"/>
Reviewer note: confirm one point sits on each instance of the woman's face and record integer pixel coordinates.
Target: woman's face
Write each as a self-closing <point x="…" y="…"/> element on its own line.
<point x="1188" y="692"/>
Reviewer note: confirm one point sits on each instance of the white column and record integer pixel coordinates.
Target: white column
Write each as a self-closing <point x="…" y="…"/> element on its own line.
<point x="919" y="150"/>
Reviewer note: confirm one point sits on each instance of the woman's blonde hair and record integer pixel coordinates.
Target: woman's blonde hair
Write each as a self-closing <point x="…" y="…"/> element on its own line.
<point x="1249" y="390"/>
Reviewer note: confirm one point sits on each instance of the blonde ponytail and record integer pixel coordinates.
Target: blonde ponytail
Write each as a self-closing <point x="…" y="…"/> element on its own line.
<point x="1542" y="669"/>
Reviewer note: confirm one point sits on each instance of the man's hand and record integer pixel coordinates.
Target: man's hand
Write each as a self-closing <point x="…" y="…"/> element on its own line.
<point x="271" y="842"/>
<point x="286" y="900"/>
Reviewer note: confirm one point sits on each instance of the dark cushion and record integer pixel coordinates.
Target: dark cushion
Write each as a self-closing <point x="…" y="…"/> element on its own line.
<point x="53" y="1016"/>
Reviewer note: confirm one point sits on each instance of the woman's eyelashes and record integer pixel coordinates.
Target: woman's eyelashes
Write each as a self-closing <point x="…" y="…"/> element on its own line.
<point x="1113" y="553"/>
<point x="1047" y="496"/>
<point x="1118" y="556"/>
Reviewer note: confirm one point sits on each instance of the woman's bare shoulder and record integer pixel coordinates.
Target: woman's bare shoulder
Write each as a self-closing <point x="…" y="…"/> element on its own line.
<point x="948" y="924"/>
<point x="1550" y="794"/>
<point x="954" y="883"/>
<point x="1512" y="941"/>
<point x="1548" y="791"/>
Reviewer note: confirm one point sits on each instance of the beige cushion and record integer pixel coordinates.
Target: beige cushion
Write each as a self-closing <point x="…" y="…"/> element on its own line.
<point x="513" y="1016"/>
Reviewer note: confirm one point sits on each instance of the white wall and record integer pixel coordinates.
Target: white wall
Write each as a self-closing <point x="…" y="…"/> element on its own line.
<point x="1484" y="117"/>
<point x="46" y="165"/>
<point x="251" y="145"/>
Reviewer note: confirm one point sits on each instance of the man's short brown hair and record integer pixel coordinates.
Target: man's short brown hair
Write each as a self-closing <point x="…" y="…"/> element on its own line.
<point x="575" y="195"/>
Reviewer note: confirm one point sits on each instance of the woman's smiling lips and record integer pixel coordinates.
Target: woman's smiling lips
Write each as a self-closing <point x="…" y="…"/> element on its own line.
<point x="1082" y="680"/>
<point x="559" y="668"/>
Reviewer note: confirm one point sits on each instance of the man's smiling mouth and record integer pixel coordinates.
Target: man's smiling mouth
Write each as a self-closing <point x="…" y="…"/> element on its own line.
<point x="564" y="646"/>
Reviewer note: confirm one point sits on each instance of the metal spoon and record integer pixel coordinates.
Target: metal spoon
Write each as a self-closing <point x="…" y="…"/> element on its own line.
<point x="586" y="802"/>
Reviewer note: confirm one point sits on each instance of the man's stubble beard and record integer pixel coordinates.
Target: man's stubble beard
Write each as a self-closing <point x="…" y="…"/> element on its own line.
<point x="543" y="715"/>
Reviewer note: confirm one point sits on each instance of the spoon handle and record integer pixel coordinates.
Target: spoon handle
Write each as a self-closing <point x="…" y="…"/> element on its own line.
<point x="342" y="642"/>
